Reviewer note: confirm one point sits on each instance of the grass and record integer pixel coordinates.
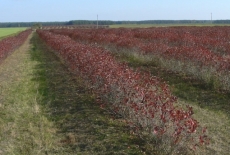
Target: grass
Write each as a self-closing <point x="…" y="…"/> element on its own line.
<point x="84" y="128"/>
<point x="211" y="107"/>
<point x="160" y="25"/>
<point x="24" y="127"/>
<point x="183" y="86"/>
<point x="45" y="109"/>
<point x="4" y="32"/>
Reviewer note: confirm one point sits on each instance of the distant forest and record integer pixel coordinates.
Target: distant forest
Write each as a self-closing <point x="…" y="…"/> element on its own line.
<point x="108" y="22"/>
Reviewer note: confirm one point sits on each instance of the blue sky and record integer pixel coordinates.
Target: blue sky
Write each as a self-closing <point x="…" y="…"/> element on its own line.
<point x="65" y="10"/>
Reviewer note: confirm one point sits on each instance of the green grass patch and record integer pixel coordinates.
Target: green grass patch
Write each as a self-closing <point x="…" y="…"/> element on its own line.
<point x="5" y="32"/>
<point x="24" y="125"/>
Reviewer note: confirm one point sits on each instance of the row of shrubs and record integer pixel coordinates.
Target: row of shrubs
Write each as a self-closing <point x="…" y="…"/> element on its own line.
<point x="144" y="101"/>
<point x="9" y="44"/>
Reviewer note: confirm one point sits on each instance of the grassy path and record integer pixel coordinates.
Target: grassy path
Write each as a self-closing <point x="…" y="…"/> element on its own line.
<point x="44" y="109"/>
<point x="24" y="129"/>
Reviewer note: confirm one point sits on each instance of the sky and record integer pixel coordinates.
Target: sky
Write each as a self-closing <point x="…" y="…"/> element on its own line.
<point x="66" y="10"/>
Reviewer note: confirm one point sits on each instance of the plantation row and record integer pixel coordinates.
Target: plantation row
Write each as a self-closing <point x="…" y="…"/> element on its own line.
<point x="144" y="101"/>
<point x="201" y="52"/>
<point x="214" y="38"/>
<point x="9" y="44"/>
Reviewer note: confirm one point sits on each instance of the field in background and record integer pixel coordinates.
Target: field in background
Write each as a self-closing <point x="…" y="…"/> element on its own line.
<point x="10" y="31"/>
<point x="161" y="25"/>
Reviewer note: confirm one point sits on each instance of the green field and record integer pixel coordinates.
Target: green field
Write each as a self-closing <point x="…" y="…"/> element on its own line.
<point x="10" y="31"/>
<point x="160" y="25"/>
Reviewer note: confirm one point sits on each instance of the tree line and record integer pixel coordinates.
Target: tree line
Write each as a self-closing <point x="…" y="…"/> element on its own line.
<point x="109" y="22"/>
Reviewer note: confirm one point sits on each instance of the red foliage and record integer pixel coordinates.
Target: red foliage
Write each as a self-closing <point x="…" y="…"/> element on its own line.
<point x="9" y="44"/>
<point x="205" y="46"/>
<point x="143" y="100"/>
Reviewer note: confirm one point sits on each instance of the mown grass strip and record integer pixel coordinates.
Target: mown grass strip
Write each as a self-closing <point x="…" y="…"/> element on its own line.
<point x="24" y="127"/>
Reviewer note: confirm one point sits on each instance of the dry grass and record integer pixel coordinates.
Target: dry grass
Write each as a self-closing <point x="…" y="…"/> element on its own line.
<point x="218" y="124"/>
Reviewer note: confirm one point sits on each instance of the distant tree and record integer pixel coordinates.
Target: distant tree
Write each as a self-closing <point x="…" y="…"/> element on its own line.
<point x="37" y="26"/>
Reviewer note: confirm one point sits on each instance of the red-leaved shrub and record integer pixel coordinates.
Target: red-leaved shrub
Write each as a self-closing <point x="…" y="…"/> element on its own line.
<point x="143" y="100"/>
<point x="9" y="44"/>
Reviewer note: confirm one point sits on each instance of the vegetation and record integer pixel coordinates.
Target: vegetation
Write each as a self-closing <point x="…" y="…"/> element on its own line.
<point x="204" y="98"/>
<point x="37" y="26"/>
<point x="143" y="101"/>
<point x="164" y="25"/>
<point x="82" y="126"/>
<point x="30" y="24"/>
<point x="120" y="23"/>
<point x="9" y="44"/>
<point x="5" y="32"/>
<point x="211" y="108"/>
<point x="51" y="104"/>
<point x="24" y="129"/>
<point x="45" y="109"/>
<point x="194" y="51"/>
